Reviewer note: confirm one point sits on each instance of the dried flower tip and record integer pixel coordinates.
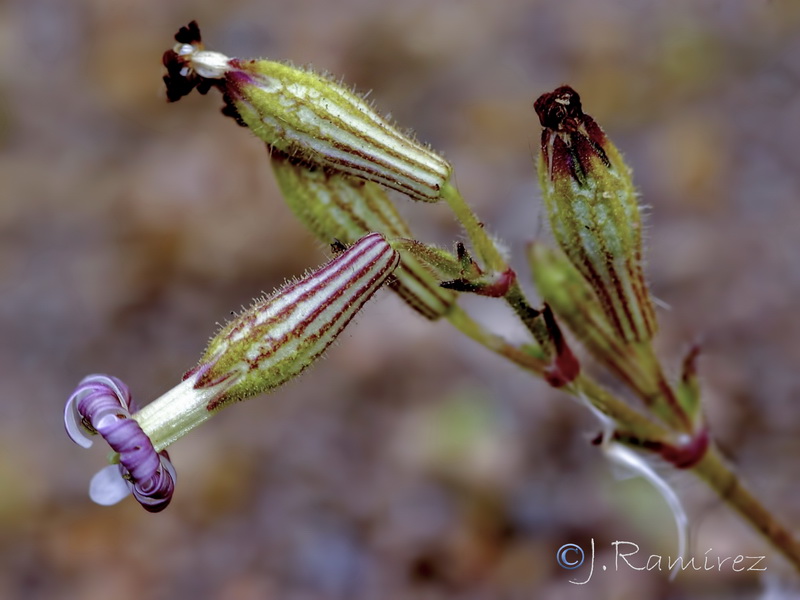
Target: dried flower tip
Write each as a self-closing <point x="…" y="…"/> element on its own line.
<point x="491" y="285"/>
<point x="593" y="211"/>
<point x="335" y="206"/>
<point x="564" y="368"/>
<point x="688" y="389"/>
<point x="309" y="117"/>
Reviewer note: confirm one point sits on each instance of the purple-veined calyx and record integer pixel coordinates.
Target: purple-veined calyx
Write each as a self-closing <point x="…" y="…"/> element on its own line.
<point x="307" y="116"/>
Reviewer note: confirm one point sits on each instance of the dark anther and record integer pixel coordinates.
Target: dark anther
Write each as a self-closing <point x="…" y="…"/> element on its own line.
<point x="558" y="108"/>
<point x="189" y="34"/>
<point x="177" y="84"/>
<point x="178" y="87"/>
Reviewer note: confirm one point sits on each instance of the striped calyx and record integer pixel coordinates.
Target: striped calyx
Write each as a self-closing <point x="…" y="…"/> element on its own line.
<point x="576" y="305"/>
<point x="307" y="116"/>
<point x="336" y="206"/>
<point x="272" y="341"/>
<point x="569" y="295"/>
<point x="279" y="336"/>
<point x="591" y="203"/>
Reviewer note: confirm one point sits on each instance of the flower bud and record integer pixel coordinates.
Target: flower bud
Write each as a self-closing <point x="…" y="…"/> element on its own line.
<point x="564" y="289"/>
<point x="576" y="304"/>
<point x="593" y="211"/>
<point x="308" y="117"/>
<point x="335" y="206"/>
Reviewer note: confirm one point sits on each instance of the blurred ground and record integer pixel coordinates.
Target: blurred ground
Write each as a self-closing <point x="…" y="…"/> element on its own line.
<point x="409" y="464"/>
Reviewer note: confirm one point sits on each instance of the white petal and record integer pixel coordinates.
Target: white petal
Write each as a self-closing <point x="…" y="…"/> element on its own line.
<point x="74" y="423"/>
<point x="108" y="487"/>
<point x="627" y="458"/>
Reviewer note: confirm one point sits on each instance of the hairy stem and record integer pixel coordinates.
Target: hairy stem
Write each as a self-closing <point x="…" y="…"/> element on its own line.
<point x="490" y="256"/>
<point x="714" y="470"/>
<point x="462" y="321"/>
<point x="585" y="387"/>
<point x="485" y="247"/>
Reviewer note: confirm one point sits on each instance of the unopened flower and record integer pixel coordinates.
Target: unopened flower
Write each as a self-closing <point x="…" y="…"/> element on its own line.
<point x="593" y="211"/>
<point x="336" y="206"/>
<point x="573" y="300"/>
<point x="562" y="286"/>
<point x="264" y="347"/>
<point x="307" y="116"/>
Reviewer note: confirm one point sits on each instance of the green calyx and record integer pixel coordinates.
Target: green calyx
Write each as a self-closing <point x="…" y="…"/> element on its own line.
<point x="594" y="213"/>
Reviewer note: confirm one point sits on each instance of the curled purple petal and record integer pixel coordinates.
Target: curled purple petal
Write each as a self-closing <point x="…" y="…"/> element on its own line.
<point x="155" y="493"/>
<point x="92" y="393"/>
<point x="103" y="405"/>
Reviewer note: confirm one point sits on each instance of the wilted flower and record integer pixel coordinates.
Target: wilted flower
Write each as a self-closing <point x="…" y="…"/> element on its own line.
<point x="593" y="211"/>
<point x="307" y="116"/>
<point x="264" y="347"/>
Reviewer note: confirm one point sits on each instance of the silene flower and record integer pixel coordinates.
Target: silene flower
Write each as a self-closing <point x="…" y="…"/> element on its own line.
<point x="264" y="347"/>
<point x="307" y="116"/>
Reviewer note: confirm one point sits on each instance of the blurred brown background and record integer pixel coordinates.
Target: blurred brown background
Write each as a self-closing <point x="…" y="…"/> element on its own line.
<point x="410" y="463"/>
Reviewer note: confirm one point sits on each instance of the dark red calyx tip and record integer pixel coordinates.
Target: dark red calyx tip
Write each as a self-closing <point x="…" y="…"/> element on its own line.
<point x="558" y="109"/>
<point x="690" y="362"/>
<point x="687" y="455"/>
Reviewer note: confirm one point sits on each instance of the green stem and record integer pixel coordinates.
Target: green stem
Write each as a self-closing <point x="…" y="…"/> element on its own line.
<point x="491" y="257"/>
<point x="529" y="316"/>
<point x="482" y="242"/>
<point x="462" y="321"/>
<point x="598" y="396"/>
<point x="714" y="470"/>
<point x="617" y="410"/>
